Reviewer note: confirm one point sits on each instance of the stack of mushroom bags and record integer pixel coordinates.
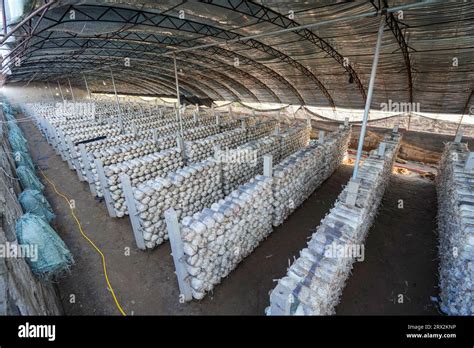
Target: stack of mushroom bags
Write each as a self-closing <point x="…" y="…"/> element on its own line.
<point x="187" y="190"/>
<point x="456" y="231"/>
<point x="314" y="282"/>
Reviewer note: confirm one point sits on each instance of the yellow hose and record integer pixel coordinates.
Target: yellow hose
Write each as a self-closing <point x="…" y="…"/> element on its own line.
<point x="89" y="240"/>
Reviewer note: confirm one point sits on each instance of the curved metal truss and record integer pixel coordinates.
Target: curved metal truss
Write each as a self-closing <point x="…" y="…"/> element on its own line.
<point x="133" y="17"/>
<point x="223" y="50"/>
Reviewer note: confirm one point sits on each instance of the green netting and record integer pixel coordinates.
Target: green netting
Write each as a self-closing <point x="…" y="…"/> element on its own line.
<point x="52" y="255"/>
<point x="28" y="179"/>
<point x="17" y="140"/>
<point x="23" y="159"/>
<point x="33" y="201"/>
<point x="12" y="125"/>
<point x="10" y="117"/>
<point x="7" y="108"/>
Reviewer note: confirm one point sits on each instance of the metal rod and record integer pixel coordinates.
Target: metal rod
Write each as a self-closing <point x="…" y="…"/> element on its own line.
<point x="464" y="111"/>
<point x="311" y="25"/>
<point x="61" y="91"/>
<point x="50" y="90"/>
<point x="4" y="19"/>
<point x="177" y="95"/>
<point x="72" y="93"/>
<point x="295" y="28"/>
<point x="116" y="96"/>
<point x="26" y="19"/>
<point x="368" y="101"/>
<point x="87" y="86"/>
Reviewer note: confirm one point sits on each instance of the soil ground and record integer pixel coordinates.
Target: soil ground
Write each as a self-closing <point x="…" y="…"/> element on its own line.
<point x="400" y="253"/>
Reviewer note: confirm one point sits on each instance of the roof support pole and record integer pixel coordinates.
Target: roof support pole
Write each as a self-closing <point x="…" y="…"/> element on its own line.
<point x="368" y="101"/>
<point x="61" y="91"/>
<point x="464" y="110"/>
<point x="116" y="99"/>
<point x="178" y="105"/>
<point x="4" y="19"/>
<point x="50" y="90"/>
<point x="72" y="93"/>
<point x="87" y="86"/>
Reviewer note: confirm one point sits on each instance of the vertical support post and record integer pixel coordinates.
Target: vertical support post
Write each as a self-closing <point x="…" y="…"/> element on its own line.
<point x="381" y="149"/>
<point x="61" y="91"/>
<point x="177" y="251"/>
<point x="181" y="147"/>
<point x="277" y="129"/>
<point x="154" y="136"/>
<point x="321" y="137"/>
<point x="352" y="191"/>
<point x="368" y="101"/>
<point x="72" y="92"/>
<point x="177" y="95"/>
<point x="268" y="166"/>
<point x="87" y="87"/>
<point x="281" y="299"/>
<point x="132" y="211"/>
<point x="87" y="169"/>
<point x="243" y="124"/>
<point x="308" y="121"/>
<point x="458" y="137"/>
<point x="4" y="19"/>
<point x="346" y="121"/>
<point x="230" y="110"/>
<point x="62" y="145"/>
<point x="117" y="101"/>
<point x="469" y="165"/>
<point x="75" y="159"/>
<point x="104" y="186"/>
<point x="50" y="90"/>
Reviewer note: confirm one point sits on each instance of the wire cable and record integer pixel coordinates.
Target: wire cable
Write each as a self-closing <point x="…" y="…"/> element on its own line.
<point x="84" y="235"/>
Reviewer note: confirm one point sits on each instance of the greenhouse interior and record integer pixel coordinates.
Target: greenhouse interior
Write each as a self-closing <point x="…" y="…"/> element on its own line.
<point x="232" y="157"/>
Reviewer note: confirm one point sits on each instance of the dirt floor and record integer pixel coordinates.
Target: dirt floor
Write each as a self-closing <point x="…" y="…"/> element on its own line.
<point x="400" y="253"/>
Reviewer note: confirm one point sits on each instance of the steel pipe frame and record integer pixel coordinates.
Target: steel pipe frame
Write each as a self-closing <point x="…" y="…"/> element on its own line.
<point x="94" y="57"/>
<point x="263" y="13"/>
<point x="138" y="84"/>
<point x="145" y="49"/>
<point x="187" y="26"/>
<point x="312" y="25"/>
<point x="143" y="76"/>
<point x="397" y="32"/>
<point x="195" y="68"/>
<point x="369" y="98"/>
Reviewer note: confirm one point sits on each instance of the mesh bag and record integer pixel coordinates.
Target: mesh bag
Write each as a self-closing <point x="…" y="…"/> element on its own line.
<point x="23" y="159"/>
<point x="34" y="202"/>
<point x="52" y="257"/>
<point x="17" y="140"/>
<point x="28" y="179"/>
<point x="10" y="117"/>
